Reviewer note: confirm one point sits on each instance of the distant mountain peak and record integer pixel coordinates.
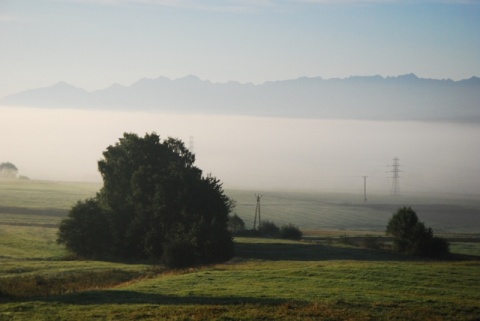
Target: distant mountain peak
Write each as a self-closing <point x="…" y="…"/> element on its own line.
<point x="471" y="81"/>
<point x="403" y="97"/>
<point x="408" y="76"/>
<point x="188" y="78"/>
<point x="64" y="85"/>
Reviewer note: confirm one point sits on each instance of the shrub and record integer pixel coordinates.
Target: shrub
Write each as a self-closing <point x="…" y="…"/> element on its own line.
<point x="86" y="231"/>
<point x="413" y="237"/>
<point x="235" y="224"/>
<point x="268" y="228"/>
<point x="438" y="248"/>
<point x="290" y="231"/>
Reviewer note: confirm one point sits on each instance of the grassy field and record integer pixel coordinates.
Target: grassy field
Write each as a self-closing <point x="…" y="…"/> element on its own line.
<point x="316" y="279"/>
<point x="43" y="202"/>
<point x="327" y="211"/>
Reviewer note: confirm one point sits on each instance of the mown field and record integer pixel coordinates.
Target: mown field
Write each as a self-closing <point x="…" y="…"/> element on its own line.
<point x="319" y="278"/>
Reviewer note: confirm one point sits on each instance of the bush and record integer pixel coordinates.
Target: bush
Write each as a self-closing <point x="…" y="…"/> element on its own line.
<point x="235" y="224"/>
<point x="438" y="248"/>
<point x="413" y="237"/>
<point x="86" y="231"/>
<point x="268" y="228"/>
<point x="290" y="231"/>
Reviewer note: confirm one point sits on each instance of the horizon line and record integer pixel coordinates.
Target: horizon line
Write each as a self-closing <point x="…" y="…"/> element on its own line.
<point x="191" y="76"/>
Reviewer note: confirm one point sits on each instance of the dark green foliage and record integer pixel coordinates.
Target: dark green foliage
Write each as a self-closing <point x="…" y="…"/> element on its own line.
<point x="268" y="228"/>
<point x="178" y="254"/>
<point x="235" y="224"/>
<point x="153" y="196"/>
<point x="290" y="231"/>
<point x="412" y="237"/>
<point x="86" y="231"/>
<point x="438" y="247"/>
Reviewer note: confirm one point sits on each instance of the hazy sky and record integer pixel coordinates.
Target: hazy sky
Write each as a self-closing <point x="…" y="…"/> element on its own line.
<point x="94" y="43"/>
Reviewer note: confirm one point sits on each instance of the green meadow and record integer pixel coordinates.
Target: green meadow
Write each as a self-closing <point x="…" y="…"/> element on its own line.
<point x="323" y="277"/>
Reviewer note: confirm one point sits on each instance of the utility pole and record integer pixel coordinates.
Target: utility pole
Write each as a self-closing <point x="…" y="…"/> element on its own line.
<point x="395" y="177"/>
<point x="257" y="212"/>
<point x="190" y="144"/>
<point x="365" y="188"/>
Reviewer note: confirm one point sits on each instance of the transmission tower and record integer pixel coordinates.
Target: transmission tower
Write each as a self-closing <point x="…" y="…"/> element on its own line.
<point x="257" y="212"/>
<point x="395" y="176"/>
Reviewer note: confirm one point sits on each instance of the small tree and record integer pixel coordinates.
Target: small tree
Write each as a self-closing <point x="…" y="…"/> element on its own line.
<point x="8" y="170"/>
<point x="412" y="237"/>
<point x="290" y="231"/>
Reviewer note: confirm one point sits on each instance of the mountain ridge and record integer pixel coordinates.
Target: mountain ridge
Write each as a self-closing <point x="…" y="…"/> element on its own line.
<point x="403" y="97"/>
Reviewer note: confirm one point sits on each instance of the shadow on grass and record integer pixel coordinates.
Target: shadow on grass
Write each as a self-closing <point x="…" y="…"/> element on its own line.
<point x="101" y="297"/>
<point x="310" y="252"/>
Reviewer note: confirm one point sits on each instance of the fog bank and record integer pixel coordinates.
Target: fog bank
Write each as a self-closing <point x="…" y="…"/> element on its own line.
<point x="254" y="152"/>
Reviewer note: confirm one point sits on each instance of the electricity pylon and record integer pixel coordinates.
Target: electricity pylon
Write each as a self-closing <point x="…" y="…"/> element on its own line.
<point x="395" y="177"/>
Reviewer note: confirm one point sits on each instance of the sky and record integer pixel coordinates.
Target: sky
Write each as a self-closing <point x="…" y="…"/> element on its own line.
<point x="95" y="43"/>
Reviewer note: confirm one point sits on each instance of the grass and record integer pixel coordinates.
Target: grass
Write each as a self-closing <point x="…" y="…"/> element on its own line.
<point x="47" y="202"/>
<point x="29" y="243"/>
<point x="467" y="248"/>
<point x="43" y="196"/>
<point x="334" y="285"/>
<point x="269" y="279"/>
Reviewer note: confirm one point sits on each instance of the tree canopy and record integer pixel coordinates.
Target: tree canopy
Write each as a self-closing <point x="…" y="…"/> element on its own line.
<point x="8" y="170"/>
<point x="412" y="236"/>
<point x="153" y="200"/>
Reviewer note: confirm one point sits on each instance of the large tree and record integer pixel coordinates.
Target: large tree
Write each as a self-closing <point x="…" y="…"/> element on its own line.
<point x="154" y="197"/>
<point x="8" y="170"/>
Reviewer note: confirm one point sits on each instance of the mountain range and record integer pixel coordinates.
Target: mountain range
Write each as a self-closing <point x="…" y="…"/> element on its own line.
<point x="405" y="97"/>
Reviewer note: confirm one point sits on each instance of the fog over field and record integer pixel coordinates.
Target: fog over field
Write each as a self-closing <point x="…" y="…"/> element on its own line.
<point x="255" y="152"/>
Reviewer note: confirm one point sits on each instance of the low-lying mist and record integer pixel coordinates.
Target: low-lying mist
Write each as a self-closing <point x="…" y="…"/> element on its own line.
<point x="254" y="152"/>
